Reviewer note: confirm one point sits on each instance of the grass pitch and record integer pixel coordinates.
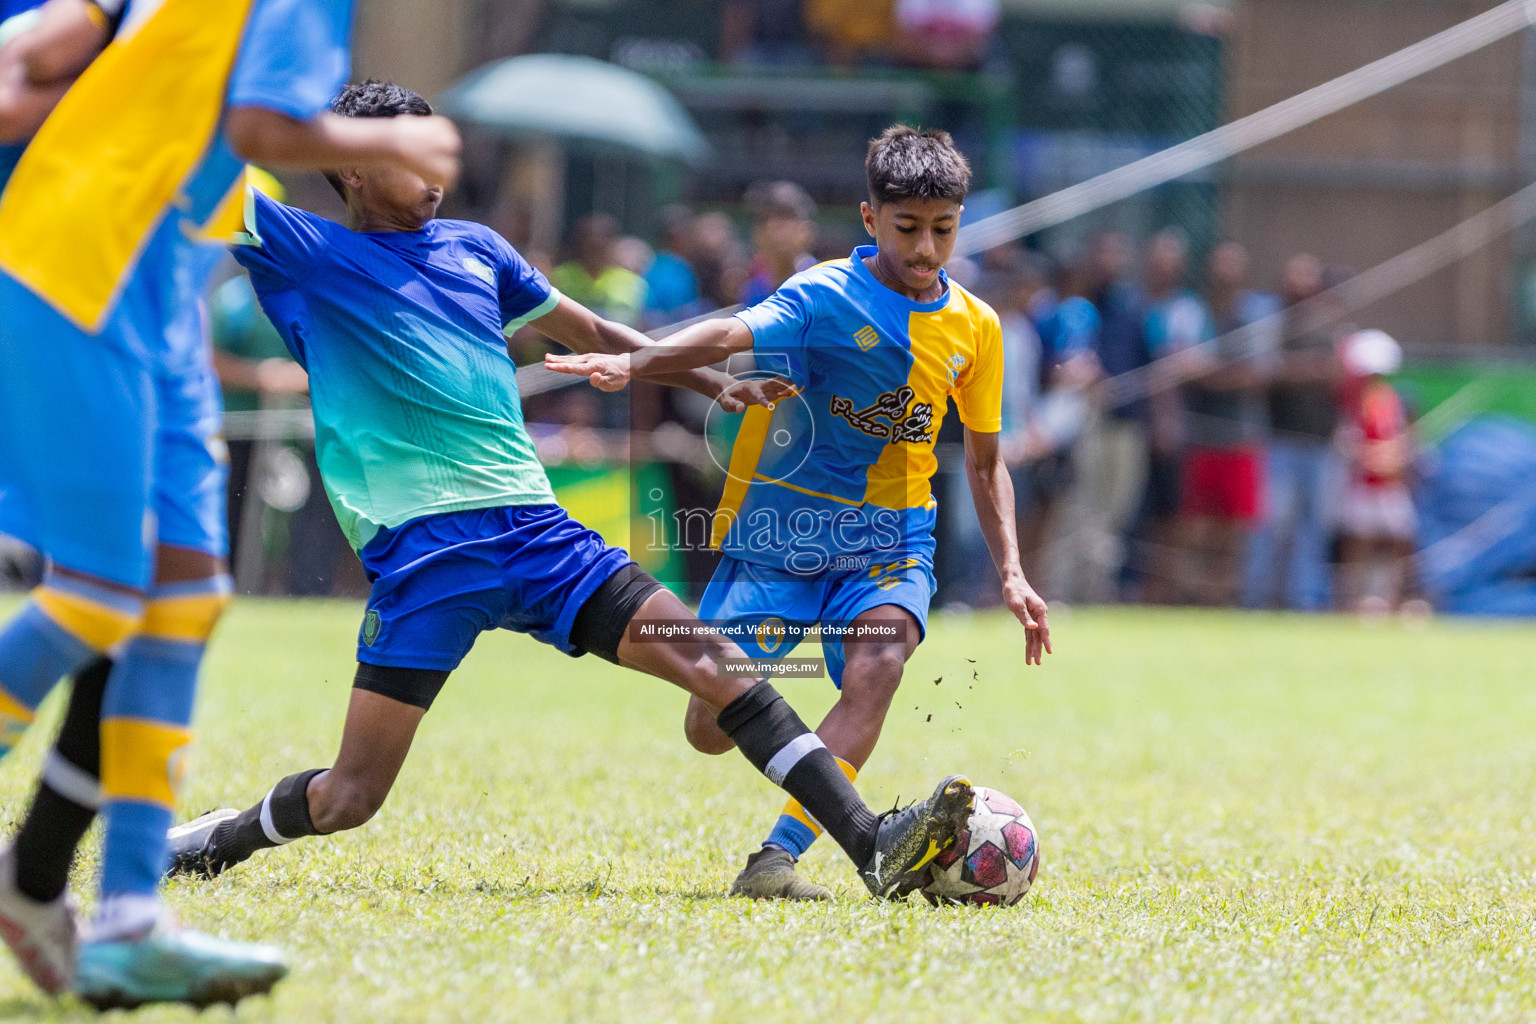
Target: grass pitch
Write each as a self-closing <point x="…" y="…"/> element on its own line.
<point x="1242" y="819"/>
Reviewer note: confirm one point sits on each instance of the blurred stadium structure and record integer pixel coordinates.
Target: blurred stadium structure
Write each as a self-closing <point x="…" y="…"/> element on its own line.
<point x="1394" y="135"/>
<point x="1074" y="90"/>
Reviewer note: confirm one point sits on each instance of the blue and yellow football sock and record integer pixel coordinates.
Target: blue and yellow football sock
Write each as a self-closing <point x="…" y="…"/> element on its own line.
<point x="145" y="735"/>
<point x="65" y="625"/>
<point x="796" y="830"/>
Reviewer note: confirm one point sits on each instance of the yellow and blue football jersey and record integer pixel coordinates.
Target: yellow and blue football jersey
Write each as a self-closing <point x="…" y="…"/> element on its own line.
<point x="844" y="468"/>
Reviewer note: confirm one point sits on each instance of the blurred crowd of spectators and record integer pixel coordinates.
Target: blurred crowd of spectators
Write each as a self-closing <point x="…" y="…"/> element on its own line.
<point x="1180" y="435"/>
<point x="700" y="263"/>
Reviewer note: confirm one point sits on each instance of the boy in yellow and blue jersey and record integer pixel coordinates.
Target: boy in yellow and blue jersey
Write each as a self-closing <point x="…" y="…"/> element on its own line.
<point x="828" y="515"/>
<point x="111" y="465"/>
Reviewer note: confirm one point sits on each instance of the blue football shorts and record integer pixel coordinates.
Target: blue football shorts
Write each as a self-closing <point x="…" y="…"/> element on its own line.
<point x="767" y="610"/>
<point x="441" y="580"/>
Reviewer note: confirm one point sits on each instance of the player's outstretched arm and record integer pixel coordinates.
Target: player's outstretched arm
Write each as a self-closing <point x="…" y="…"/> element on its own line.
<point x="38" y="66"/>
<point x="992" y="491"/>
<point x="701" y="345"/>
<point x="582" y="331"/>
<point x="428" y="146"/>
<point x="68" y="36"/>
<point x="23" y="106"/>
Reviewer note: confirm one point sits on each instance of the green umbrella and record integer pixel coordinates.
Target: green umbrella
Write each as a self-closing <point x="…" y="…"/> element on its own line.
<point x="576" y="98"/>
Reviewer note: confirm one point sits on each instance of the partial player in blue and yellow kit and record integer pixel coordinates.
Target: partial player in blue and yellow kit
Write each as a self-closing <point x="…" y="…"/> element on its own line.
<point x="111" y="465"/>
<point x="828" y="513"/>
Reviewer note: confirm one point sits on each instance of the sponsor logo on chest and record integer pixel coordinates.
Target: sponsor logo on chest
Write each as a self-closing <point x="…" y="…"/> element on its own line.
<point x="479" y="269"/>
<point x="893" y="416"/>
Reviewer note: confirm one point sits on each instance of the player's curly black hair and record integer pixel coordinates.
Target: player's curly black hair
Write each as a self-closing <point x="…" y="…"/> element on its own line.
<point x="904" y="163"/>
<point x="374" y="98"/>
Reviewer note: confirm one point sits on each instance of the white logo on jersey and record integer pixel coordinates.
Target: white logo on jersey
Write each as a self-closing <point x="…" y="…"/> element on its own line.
<point x="480" y="270"/>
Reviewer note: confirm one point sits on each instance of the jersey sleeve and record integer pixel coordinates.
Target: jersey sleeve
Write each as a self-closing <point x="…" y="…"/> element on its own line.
<point x="979" y="390"/>
<point x="525" y="294"/>
<point x="780" y="325"/>
<point x="279" y="243"/>
<point x="295" y="58"/>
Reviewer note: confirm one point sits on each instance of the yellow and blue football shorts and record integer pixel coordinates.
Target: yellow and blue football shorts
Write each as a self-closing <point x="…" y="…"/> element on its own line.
<point x="191" y="458"/>
<point x="767" y="611"/>
<point x="110" y="445"/>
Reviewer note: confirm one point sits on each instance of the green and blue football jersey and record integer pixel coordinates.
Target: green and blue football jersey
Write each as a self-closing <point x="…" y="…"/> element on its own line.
<point x="415" y="398"/>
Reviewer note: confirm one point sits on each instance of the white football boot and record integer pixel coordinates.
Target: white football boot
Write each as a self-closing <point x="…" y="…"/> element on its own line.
<point x="43" y="936"/>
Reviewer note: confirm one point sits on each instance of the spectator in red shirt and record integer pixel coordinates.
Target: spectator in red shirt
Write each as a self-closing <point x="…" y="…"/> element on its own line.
<point x="1378" y="524"/>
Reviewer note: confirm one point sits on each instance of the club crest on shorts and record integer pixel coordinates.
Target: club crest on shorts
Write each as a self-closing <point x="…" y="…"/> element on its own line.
<point x="371" y="626"/>
<point x="770" y="634"/>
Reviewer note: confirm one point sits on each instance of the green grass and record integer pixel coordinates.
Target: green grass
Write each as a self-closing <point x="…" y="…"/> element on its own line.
<point x="1242" y="819"/>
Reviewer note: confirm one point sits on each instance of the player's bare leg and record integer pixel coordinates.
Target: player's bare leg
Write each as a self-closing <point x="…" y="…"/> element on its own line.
<point x="870" y="680"/>
<point x="374" y="743"/>
<point x="689" y="662"/>
<point x="378" y="735"/>
<point x="694" y="665"/>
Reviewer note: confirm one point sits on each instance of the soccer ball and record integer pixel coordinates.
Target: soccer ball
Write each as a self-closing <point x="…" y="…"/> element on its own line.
<point x="994" y="859"/>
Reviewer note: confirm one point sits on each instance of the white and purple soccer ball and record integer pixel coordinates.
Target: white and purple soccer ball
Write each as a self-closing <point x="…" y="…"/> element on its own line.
<point x="994" y="859"/>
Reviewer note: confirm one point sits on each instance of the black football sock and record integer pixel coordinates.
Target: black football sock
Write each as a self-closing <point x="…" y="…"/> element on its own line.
<point x="779" y="745"/>
<point x="69" y="794"/>
<point x="281" y="817"/>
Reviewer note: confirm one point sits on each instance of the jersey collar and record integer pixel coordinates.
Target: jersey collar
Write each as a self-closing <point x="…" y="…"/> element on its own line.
<point x="863" y="252"/>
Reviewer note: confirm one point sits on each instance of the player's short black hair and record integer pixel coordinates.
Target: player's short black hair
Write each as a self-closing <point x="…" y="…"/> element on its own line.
<point x="904" y="163"/>
<point x="374" y="98"/>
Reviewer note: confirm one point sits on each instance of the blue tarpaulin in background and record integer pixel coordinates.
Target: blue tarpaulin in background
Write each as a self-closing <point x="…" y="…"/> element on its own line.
<point x="1478" y="509"/>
